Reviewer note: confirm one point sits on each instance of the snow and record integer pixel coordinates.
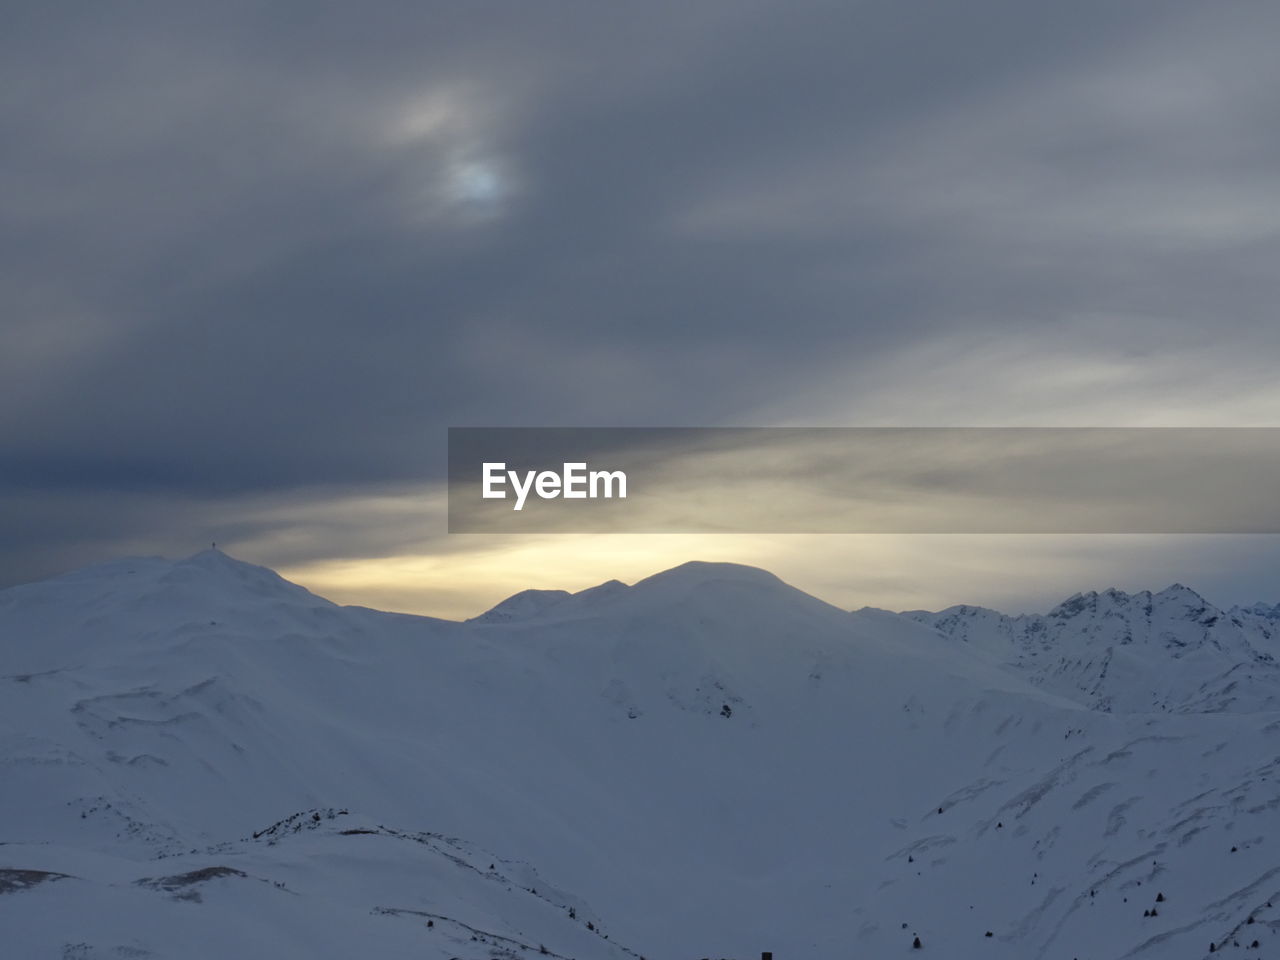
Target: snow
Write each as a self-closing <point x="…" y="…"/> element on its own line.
<point x="707" y="763"/>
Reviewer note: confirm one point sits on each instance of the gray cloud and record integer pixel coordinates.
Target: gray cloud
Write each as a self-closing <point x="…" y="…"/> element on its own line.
<point x="266" y="254"/>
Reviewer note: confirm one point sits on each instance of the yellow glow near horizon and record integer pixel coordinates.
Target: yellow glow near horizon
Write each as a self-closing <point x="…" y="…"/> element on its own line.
<point x="465" y="583"/>
<point x="895" y="572"/>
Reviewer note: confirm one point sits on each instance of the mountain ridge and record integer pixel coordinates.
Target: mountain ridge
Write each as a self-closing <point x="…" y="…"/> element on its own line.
<point x="1196" y="649"/>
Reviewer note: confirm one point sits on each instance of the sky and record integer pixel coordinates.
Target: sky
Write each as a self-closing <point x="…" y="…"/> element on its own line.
<point x="257" y="258"/>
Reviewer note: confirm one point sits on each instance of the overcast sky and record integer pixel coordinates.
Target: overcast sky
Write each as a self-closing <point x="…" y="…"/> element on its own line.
<point x="257" y="257"/>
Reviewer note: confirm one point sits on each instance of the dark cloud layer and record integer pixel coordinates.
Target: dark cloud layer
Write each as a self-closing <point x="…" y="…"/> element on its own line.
<point x="256" y="251"/>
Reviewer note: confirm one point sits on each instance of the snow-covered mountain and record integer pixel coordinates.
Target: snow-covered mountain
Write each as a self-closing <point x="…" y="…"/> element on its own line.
<point x="199" y="759"/>
<point x="1169" y="651"/>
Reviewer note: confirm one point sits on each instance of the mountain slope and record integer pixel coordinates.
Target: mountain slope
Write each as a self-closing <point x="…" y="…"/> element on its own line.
<point x="705" y="763"/>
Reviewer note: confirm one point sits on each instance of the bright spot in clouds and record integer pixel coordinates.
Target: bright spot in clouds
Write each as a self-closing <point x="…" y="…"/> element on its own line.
<point x="477" y="185"/>
<point x="456" y="171"/>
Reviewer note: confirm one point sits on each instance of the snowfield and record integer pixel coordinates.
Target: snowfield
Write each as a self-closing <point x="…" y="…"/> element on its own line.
<point x="199" y="759"/>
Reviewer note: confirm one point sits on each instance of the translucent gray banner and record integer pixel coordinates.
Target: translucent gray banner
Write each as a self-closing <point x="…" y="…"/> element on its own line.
<point x="863" y="480"/>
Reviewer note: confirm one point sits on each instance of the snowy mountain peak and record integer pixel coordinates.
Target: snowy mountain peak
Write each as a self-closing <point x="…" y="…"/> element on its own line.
<point x="211" y="555"/>
<point x="140" y="601"/>
<point x="531" y="604"/>
<point x="1181" y="594"/>
<point x="219" y="563"/>
<point x="521" y="606"/>
<point x="609" y="587"/>
<point x="1270" y="611"/>
<point x="1093" y="602"/>
<point x="653" y="592"/>
<point x="696" y="573"/>
<point x="1113" y="601"/>
<point x="219" y="573"/>
<point x="1075" y="604"/>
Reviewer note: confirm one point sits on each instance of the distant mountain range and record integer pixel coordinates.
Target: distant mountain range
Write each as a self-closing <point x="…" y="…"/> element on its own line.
<point x="1169" y="651"/>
